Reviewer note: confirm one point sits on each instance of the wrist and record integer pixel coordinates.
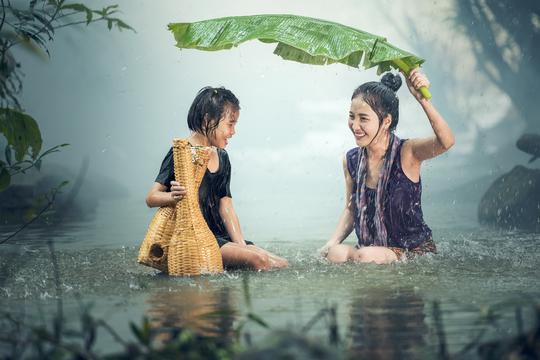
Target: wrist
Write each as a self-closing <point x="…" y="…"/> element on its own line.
<point x="333" y="242"/>
<point x="422" y="100"/>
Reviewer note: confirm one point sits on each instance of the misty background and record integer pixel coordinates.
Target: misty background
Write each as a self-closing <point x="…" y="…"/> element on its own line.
<point x="119" y="98"/>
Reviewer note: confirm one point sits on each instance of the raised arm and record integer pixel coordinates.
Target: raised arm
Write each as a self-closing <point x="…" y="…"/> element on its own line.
<point x="346" y="220"/>
<point x="427" y="148"/>
<point x="230" y="219"/>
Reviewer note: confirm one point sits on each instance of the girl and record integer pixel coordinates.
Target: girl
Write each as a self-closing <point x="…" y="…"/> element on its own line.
<point x="212" y="119"/>
<point x="382" y="176"/>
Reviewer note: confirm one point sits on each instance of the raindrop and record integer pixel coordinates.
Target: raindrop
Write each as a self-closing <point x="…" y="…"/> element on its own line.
<point x="45" y="296"/>
<point x="134" y="286"/>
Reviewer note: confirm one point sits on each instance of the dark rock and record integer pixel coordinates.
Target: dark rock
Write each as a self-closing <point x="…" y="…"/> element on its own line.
<point x="530" y="144"/>
<point x="513" y="201"/>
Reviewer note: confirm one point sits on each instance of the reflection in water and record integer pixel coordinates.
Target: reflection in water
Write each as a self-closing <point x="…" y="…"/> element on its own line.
<point x="387" y="324"/>
<point x="206" y="310"/>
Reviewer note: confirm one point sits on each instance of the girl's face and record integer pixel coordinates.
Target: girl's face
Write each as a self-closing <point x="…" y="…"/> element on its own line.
<point x="363" y="122"/>
<point x="226" y="128"/>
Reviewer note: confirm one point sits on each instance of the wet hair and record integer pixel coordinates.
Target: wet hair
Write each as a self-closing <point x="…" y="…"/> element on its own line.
<point x="381" y="96"/>
<point x="208" y="107"/>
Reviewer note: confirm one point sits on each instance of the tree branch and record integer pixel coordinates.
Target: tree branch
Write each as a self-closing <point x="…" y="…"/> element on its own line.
<point x="25" y="225"/>
<point x="78" y="23"/>
<point x="3" y="14"/>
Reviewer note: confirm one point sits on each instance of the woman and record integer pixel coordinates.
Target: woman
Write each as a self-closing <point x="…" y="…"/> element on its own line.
<point x="382" y="176"/>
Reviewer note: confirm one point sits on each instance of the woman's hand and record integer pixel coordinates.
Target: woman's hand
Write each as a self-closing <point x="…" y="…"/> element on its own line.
<point x="323" y="251"/>
<point x="178" y="192"/>
<point x="415" y="81"/>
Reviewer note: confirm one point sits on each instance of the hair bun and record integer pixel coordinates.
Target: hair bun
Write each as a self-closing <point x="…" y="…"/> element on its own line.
<point x="392" y="81"/>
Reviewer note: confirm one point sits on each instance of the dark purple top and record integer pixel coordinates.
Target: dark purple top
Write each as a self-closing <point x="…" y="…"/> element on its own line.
<point x="402" y="206"/>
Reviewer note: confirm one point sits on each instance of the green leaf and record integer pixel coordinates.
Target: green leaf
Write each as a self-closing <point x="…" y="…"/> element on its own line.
<point x="111" y="9"/>
<point x="76" y="7"/>
<point x="45" y="22"/>
<point x="302" y="39"/>
<point x="52" y="150"/>
<point x="257" y="320"/>
<point x="142" y="334"/>
<point x="109" y="24"/>
<point x="5" y="179"/>
<point x="122" y="25"/>
<point x="81" y="8"/>
<point x="21" y="131"/>
<point x="247" y="297"/>
<point x="147" y="330"/>
<point x="89" y="16"/>
<point x="136" y="331"/>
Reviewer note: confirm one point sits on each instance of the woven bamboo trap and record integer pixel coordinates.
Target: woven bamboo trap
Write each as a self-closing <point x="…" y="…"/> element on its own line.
<point x="178" y="240"/>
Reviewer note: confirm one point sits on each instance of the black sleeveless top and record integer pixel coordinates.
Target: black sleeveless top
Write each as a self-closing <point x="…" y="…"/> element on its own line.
<point x="213" y="187"/>
<point x="402" y="205"/>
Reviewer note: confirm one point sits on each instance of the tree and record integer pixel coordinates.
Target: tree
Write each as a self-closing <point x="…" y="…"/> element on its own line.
<point x="33" y="26"/>
<point x="506" y="38"/>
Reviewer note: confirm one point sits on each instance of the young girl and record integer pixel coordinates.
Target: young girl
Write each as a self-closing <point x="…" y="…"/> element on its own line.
<point x="212" y="119"/>
<point x="382" y="176"/>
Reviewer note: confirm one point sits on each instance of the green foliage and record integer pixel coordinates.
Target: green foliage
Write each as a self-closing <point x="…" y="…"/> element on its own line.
<point x="299" y="38"/>
<point x="22" y="133"/>
<point x="33" y="27"/>
<point x="9" y="168"/>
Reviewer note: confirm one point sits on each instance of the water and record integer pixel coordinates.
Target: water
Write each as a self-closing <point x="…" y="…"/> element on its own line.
<point x="473" y="286"/>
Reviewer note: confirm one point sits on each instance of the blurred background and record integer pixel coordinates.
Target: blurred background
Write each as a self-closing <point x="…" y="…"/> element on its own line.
<point x="118" y="99"/>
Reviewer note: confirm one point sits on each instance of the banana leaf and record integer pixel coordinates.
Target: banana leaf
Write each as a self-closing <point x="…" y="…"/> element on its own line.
<point x="302" y="39"/>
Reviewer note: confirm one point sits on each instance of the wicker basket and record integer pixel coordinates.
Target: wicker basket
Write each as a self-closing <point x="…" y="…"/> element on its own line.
<point x="178" y="240"/>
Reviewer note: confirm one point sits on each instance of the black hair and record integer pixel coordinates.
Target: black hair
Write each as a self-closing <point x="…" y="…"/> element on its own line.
<point x="381" y="96"/>
<point x="208" y="107"/>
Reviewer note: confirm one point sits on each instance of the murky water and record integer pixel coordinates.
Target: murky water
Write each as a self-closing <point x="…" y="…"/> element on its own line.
<point x="421" y="308"/>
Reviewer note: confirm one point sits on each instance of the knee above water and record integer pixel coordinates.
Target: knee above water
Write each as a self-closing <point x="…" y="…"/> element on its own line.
<point x="261" y="262"/>
<point x="337" y="254"/>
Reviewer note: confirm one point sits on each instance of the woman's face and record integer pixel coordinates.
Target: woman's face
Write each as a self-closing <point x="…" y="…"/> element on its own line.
<point x="363" y="122"/>
<point x="225" y="129"/>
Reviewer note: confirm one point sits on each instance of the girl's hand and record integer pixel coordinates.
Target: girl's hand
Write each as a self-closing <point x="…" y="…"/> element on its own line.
<point x="415" y="81"/>
<point x="178" y="192"/>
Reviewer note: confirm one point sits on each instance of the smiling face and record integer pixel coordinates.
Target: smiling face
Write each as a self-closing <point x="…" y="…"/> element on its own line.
<point x="363" y="121"/>
<point x="226" y="127"/>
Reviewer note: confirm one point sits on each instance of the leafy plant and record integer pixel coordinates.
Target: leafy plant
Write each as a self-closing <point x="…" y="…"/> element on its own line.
<point x="33" y="26"/>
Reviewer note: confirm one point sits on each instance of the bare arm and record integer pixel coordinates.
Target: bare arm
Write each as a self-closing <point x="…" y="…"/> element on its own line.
<point x="230" y="219"/>
<point x="427" y="148"/>
<point x="346" y="220"/>
<point x="158" y="195"/>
